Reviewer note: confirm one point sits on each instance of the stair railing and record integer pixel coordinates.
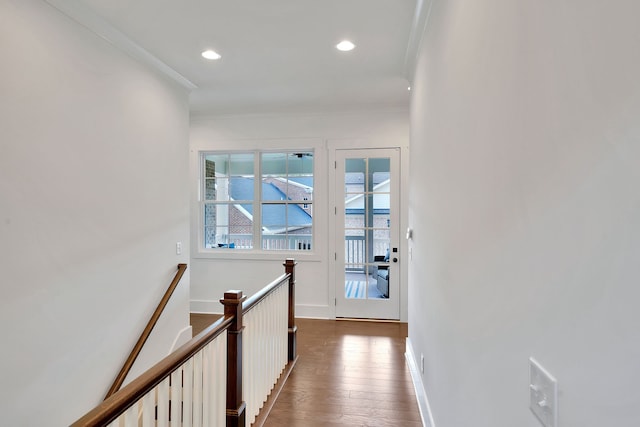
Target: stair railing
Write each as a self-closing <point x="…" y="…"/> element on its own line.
<point x="188" y="387"/>
<point x="137" y="348"/>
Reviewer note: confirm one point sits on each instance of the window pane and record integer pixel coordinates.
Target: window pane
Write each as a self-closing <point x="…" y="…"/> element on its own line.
<point x="354" y="177"/>
<point x="241" y="236"/>
<point x="227" y="225"/>
<point x="291" y="217"/>
<point x="216" y="189"/>
<point x="300" y="164"/>
<point x="210" y="189"/>
<point x="275" y="242"/>
<point x="286" y="185"/>
<point x="216" y="219"/>
<point x="211" y="166"/>
<point x="241" y="164"/>
<point x="300" y="192"/>
<point x="381" y="203"/>
<point x="216" y="236"/>
<point x="286" y="227"/>
<point x="381" y="243"/>
<point x="300" y="176"/>
<point x="287" y="176"/>
<point x="274" y="189"/>
<point x="274" y="218"/>
<point x="381" y="165"/>
<point x="354" y="247"/>
<point x="274" y="164"/>
<point x="303" y="180"/>
<point x="216" y="165"/>
<point x="355" y="285"/>
<point x="240" y="226"/>
<point x="307" y="208"/>
<point x="210" y="215"/>
<point x="228" y="177"/>
<point x="241" y="188"/>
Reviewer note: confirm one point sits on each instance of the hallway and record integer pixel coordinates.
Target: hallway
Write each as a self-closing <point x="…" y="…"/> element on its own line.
<point x="349" y="373"/>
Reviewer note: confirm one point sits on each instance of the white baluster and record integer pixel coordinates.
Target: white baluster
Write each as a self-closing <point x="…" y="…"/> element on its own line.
<point x="248" y="356"/>
<point x="163" y="403"/>
<point x="187" y="394"/>
<point x="221" y="389"/>
<point x="149" y="408"/>
<point x="176" y="398"/>
<point x="130" y="416"/>
<point x="212" y="380"/>
<point x="206" y="384"/>
<point x="197" y="389"/>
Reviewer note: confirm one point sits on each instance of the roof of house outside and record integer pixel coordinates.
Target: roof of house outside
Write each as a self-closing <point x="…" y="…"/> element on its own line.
<point x="304" y="180"/>
<point x="275" y="216"/>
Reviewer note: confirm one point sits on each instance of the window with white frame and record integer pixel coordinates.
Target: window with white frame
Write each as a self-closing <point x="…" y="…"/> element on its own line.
<point x="257" y="200"/>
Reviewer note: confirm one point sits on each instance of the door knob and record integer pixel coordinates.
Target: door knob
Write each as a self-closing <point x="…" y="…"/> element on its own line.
<point x="395" y="260"/>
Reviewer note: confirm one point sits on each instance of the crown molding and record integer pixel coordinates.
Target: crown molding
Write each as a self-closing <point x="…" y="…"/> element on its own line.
<point x="86" y="17"/>
<point x="418" y="27"/>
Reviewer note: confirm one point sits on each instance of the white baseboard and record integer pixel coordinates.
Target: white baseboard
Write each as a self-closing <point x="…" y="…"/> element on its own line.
<point x="183" y="336"/>
<point x="418" y="385"/>
<point x="302" y="310"/>
<point x="312" y="311"/>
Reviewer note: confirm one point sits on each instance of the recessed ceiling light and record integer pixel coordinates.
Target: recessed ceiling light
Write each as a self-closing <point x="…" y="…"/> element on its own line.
<point x="210" y="54"/>
<point x="409" y="88"/>
<point x="345" y="46"/>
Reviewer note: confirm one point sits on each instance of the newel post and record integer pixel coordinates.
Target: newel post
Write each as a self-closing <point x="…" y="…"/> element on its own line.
<point x="235" y="405"/>
<point x="290" y="268"/>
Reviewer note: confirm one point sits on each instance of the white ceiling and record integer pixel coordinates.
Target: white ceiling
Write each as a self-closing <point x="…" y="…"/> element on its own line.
<point x="276" y="54"/>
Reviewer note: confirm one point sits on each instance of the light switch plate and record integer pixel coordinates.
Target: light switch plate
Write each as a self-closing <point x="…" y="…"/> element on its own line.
<point x="543" y="391"/>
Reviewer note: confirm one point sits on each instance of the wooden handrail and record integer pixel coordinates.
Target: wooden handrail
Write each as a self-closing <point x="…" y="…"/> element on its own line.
<point x="112" y="407"/>
<point x="137" y="348"/>
<point x="263" y="293"/>
<point x="235" y="306"/>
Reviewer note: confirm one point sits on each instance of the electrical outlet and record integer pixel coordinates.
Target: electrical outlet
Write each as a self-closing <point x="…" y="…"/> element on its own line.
<point x="178" y="248"/>
<point x="543" y="394"/>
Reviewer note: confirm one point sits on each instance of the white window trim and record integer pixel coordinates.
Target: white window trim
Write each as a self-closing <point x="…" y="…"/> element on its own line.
<point x="256" y="253"/>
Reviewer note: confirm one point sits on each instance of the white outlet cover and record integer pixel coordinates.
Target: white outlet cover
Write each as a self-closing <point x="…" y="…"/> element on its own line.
<point x="543" y="391"/>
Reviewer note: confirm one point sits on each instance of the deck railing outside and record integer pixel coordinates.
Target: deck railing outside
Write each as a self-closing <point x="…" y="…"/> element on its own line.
<point x="278" y="242"/>
<point x="354" y="246"/>
<point x="204" y="382"/>
<point x="355" y="255"/>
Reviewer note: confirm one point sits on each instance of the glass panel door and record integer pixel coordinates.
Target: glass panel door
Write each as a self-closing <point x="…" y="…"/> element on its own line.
<point x="367" y="195"/>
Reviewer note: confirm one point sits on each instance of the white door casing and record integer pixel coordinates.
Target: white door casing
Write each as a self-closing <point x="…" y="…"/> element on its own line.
<point x="366" y="249"/>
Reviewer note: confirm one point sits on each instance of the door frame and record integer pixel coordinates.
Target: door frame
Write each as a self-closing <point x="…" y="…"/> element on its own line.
<point x="353" y="144"/>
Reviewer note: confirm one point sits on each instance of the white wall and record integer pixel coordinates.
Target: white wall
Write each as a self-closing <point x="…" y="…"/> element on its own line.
<point x="323" y="131"/>
<point x="525" y="206"/>
<point x="93" y="197"/>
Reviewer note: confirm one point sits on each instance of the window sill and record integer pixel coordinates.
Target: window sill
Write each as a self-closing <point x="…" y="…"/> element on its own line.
<point x="254" y="255"/>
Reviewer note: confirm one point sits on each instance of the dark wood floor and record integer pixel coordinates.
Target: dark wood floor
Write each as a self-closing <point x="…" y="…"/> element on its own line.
<point x="201" y="321"/>
<point x="349" y="373"/>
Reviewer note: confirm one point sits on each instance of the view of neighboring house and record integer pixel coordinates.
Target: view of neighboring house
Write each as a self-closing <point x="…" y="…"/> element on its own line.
<point x="366" y="222"/>
<point x="231" y="224"/>
<point x="355" y="201"/>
